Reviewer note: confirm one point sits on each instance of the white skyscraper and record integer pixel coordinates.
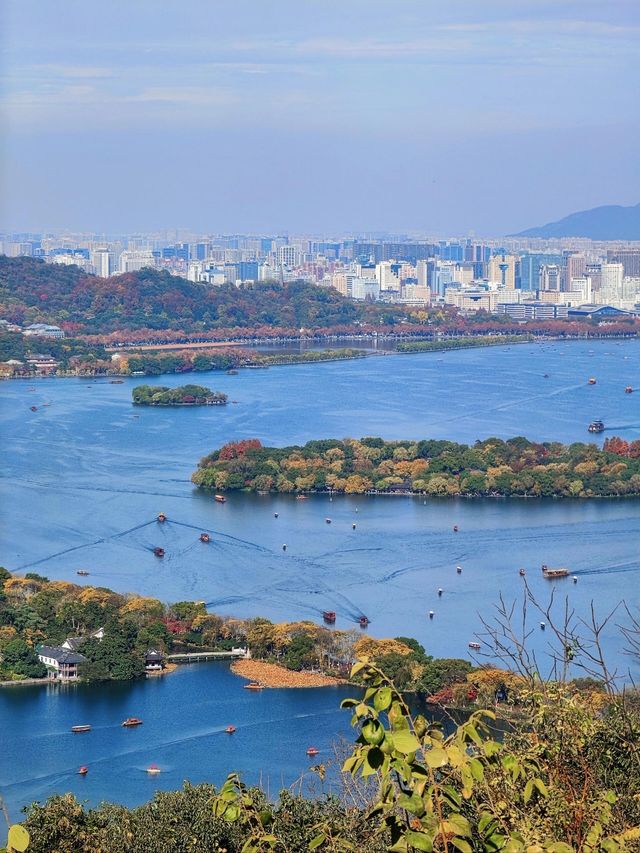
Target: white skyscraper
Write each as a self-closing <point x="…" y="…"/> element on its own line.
<point x="611" y="284"/>
<point x="102" y="262"/>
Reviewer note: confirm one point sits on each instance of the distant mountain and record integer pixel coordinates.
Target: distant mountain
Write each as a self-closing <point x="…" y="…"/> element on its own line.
<point x="610" y="222"/>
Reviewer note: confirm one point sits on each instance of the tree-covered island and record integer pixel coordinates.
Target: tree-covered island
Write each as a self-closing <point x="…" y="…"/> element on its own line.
<point x="184" y="395"/>
<point x="493" y="467"/>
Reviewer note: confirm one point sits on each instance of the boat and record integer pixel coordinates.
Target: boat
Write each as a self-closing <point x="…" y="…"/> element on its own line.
<point x="353" y="527"/>
<point x="551" y="574"/>
<point x="521" y="572"/>
<point x="132" y="721"/>
<point x="592" y="380"/>
<point x="204" y="537"/>
<point x="328" y="520"/>
<point x="313" y="751"/>
<point x="82" y="572"/>
<point x="329" y="616"/>
<point x="78" y="729"/>
<point x="162" y="517"/>
<point x="628" y="390"/>
<point x="220" y="499"/>
<point x="83" y="770"/>
<point x="153" y="769"/>
<point x="230" y="730"/>
<point x="363" y="621"/>
<point x="596" y="426"/>
<point x="474" y="646"/>
<point x="459" y="569"/>
<point x="232" y="372"/>
<point x="116" y="381"/>
<point x="159" y="552"/>
<point x="455" y="528"/>
<point x="253" y="685"/>
<point x="546" y="376"/>
<point x="33" y="408"/>
<point x="301" y="497"/>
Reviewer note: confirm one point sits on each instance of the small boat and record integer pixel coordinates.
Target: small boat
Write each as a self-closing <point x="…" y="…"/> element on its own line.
<point x="230" y="730"/>
<point x="159" y="552"/>
<point x="275" y="514"/>
<point x="455" y="528"/>
<point x="592" y="380"/>
<point x="78" y="729"/>
<point x="82" y="572"/>
<point x="220" y="499"/>
<point x="474" y="645"/>
<point x="440" y="592"/>
<point x="253" y="685"/>
<point x="82" y="771"/>
<point x="459" y="569"/>
<point x="132" y="721"/>
<point x="596" y="426"/>
<point x="575" y="579"/>
<point x="546" y="376"/>
<point x="153" y="769"/>
<point x="162" y="517"/>
<point x="301" y="497"/>
<point x="33" y="408"/>
<point x="628" y="390"/>
<point x="551" y="574"/>
<point x="353" y="527"/>
<point x="232" y="372"/>
<point x="312" y="751"/>
<point x="363" y="621"/>
<point x="234" y="401"/>
<point x="431" y="614"/>
<point x="328" y="520"/>
<point x="521" y="572"/>
<point x="204" y="537"/>
<point x="329" y="616"/>
<point x="116" y="381"/>
<point x="284" y="547"/>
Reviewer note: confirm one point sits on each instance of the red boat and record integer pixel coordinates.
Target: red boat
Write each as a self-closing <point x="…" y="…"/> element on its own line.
<point x="33" y="408"/>
<point x="83" y="770"/>
<point x="132" y="721"/>
<point x="153" y="769"/>
<point x="628" y="390"/>
<point x="329" y="616"/>
<point x="204" y="537"/>
<point x="253" y="685"/>
<point x="220" y="499"/>
<point x="522" y="573"/>
<point x="312" y="751"/>
<point x="230" y="730"/>
<point x="159" y="552"/>
<point x="363" y="621"/>
<point x="161" y="517"/>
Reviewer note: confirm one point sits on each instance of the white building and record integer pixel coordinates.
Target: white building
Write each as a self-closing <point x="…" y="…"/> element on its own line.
<point x="43" y="330"/>
<point x="611" y="284"/>
<point x="102" y="261"/>
<point x="132" y="261"/>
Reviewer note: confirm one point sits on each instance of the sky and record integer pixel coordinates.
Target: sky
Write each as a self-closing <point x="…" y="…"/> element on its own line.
<point x="316" y="116"/>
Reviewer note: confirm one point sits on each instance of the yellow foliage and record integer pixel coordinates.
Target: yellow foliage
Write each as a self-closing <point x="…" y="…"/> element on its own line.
<point x="142" y="604"/>
<point x="21" y="588"/>
<point x="370" y="647"/>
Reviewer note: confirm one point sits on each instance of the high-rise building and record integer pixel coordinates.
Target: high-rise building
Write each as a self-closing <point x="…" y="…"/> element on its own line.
<point x="575" y="265"/>
<point x="550" y="277"/>
<point x="611" y="284"/>
<point x="502" y="270"/>
<point x="103" y="262"/>
<point x="287" y="256"/>
<point x="629" y="258"/>
<point x="530" y="264"/>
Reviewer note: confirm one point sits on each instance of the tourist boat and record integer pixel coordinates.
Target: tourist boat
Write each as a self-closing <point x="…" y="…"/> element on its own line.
<point x="132" y="721"/>
<point x="363" y="621"/>
<point x="521" y="572"/>
<point x="313" y="751"/>
<point x="329" y="616"/>
<point x="551" y="574"/>
<point x="78" y="729"/>
<point x="162" y="517"/>
<point x="232" y="372"/>
<point x="153" y="769"/>
<point x="253" y="685"/>
<point x="204" y="537"/>
<point x="159" y="552"/>
<point x="230" y="730"/>
<point x="33" y="408"/>
<point x="596" y="426"/>
<point x="220" y="499"/>
<point x="455" y="528"/>
<point x="83" y="770"/>
<point x="474" y="646"/>
<point x="628" y="390"/>
<point x="116" y="381"/>
<point x="592" y="380"/>
<point x="328" y="520"/>
<point x="82" y="572"/>
<point x="301" y="497"/>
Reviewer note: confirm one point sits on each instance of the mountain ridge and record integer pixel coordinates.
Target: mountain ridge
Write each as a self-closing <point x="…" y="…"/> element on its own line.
<point x="607" y="222"/>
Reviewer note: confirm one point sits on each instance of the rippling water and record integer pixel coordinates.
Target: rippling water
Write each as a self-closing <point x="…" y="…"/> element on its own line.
<point x="84" y="476"/>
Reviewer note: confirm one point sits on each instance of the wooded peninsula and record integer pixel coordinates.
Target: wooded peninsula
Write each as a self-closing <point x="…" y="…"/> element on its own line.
<point x="183" y="395"/>
<point x="493" y="467"/>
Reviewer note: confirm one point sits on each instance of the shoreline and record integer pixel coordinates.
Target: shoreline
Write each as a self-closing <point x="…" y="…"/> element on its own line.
<point x="272" y="675"/>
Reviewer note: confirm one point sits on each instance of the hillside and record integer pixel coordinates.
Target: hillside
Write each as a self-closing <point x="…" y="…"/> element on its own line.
<point x="33" y="291"/>
<point x="609" y="222"/>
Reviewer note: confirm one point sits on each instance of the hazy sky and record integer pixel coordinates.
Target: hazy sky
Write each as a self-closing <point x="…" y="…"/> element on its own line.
<point x="317" y="115"/>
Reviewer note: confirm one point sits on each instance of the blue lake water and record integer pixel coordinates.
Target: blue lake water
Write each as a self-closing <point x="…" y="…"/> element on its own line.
<point x="85" y="475"/>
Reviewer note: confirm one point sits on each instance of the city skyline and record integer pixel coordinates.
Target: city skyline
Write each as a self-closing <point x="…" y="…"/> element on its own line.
<point x="248" y="117"/>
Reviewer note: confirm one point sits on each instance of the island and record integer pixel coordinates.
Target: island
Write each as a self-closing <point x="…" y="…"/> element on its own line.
<point x="490" y="468"/>
<point x="184" y="395"/>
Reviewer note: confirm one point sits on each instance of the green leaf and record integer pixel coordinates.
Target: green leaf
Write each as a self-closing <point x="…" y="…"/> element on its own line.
<point x="232" y="813"/>
<point x="18" y="838"/>
<point x="542" y="788"/>
<point x="382" y="699"/>
<point x="559" y="847"/>
<point x="405" y="742"/>
<point x="477" y="770"/>
<point x="317" y="841"/>
<point x="373" y="732"/>
<point x="435" y="757"/>
<point x="528" y="791"/>
<point x="412" y="804"/>
<point x="419" y="840"/>
<point x="462" y="845"/>
<point x="373" y="760"/>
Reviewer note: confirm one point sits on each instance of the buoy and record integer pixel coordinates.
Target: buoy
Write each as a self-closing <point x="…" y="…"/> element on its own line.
<point x="439" y="593"/>
<point x="431" y="614"/>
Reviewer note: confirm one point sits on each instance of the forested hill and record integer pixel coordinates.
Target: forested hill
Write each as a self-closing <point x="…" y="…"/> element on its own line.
<point x="33" y="291"/>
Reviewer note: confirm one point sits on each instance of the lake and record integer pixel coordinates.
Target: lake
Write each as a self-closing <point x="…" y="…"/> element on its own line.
<point x="84" y="477"/>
